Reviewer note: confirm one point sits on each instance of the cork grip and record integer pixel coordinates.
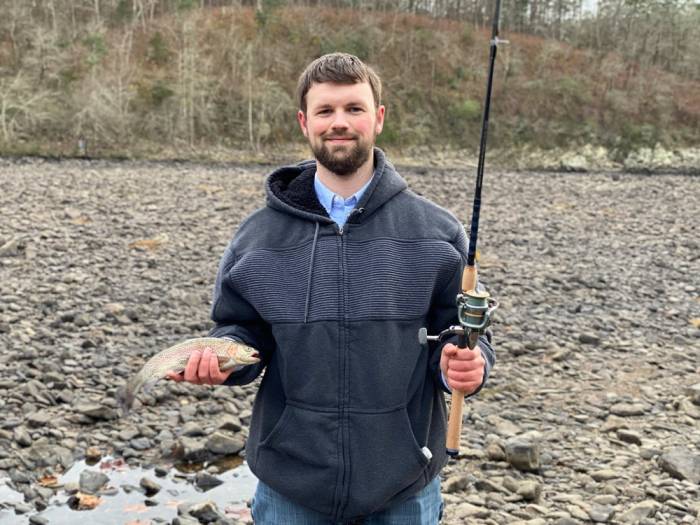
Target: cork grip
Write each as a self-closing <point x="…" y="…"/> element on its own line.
<point x="454" y="425"/>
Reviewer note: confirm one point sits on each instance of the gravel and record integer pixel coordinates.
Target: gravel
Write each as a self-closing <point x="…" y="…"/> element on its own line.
<point x="592" y="413"/>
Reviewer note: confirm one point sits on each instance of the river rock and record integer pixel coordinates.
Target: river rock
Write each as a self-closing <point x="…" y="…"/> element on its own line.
<point x="523" y="454"/>
<point x="681" y="463"/>
<point x="206" y="481"/>
<point x="220" y="443"/>
<point x="628" y="409"/>
<point x="91" y="482"/>
<point x="638" y="512"/>
<point x="206" y="512"/>
<point x="591" y="277"/>
<point x="149" y="486"/>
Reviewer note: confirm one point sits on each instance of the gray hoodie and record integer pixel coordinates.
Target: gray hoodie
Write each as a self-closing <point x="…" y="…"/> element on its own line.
<point x="350" y="415"/>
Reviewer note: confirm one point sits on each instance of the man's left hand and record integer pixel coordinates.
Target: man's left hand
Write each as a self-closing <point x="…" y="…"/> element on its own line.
<point x="463" y="368"/>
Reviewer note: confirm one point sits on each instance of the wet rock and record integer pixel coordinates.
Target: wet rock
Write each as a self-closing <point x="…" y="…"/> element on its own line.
<point x="149" y="486"/>
<point x="206" y="481"/>
<point x="93" y="454"/>
<point x="206" y="512"/>
<point x="185" y="520"/>
<point x="91" y="482"/>
<point x="21" y="508"/>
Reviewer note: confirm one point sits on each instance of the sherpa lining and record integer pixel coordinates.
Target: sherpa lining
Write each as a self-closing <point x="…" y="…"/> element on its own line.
<point x="297" y="190"/>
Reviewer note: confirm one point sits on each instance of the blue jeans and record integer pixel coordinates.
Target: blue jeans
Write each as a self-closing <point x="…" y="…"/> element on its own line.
<point x="272" y="508"/>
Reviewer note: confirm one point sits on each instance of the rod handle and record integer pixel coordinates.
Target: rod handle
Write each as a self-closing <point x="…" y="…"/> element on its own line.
<point x="469" y="278"/>
<point x="454" y="423"/>
<point x="454" y="427"/>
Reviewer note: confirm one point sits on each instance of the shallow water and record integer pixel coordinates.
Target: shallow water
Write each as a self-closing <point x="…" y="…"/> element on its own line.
<point x="129" y="507"/>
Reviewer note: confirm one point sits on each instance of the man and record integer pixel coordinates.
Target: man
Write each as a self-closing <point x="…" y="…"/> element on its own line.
<point x="331" y="282"/>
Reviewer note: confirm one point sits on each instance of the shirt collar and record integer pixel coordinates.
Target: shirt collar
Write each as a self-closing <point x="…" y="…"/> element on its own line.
<point x="326" y="196"/>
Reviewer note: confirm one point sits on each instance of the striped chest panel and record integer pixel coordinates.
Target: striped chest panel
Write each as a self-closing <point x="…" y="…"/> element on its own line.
<point x="377" y="279"/>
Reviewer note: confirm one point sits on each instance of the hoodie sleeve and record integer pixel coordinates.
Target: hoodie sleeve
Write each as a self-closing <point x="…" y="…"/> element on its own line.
<point x="443" y="314"/>
<point x="235" y="318"/>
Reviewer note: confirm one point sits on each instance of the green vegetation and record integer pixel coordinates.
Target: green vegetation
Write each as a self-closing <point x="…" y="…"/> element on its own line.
<point x="140" y="80"/>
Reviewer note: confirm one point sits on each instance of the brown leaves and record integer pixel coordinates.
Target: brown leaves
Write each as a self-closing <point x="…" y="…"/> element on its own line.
<point x="49" y="481"/>
<point x="86" y="501"/>
<point x="149" y="244"/>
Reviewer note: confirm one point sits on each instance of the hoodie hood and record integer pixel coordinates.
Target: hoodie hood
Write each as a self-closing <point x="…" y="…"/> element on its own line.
<point x="290" y="189"/>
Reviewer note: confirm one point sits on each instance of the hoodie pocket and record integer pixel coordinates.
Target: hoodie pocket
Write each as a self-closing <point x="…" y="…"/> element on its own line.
<point x="386" y="459"/>
<point x="299" y="457"/>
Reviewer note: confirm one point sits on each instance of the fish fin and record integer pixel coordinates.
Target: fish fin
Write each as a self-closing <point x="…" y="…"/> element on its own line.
<point x="148" y="386"/>
<point x="125" y="399"/>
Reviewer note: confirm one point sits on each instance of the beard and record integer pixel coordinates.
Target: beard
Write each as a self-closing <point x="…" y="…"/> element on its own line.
<point x="342" y="160"/>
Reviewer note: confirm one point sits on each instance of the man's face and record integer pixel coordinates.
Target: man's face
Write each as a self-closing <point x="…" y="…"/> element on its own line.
<point x="341" y="124"/>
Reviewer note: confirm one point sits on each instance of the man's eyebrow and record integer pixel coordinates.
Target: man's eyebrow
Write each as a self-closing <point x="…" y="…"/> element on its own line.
<point x="347" y="104"/>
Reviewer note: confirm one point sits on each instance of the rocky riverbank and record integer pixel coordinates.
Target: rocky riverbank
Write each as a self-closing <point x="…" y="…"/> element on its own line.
<point x="592" y="413"/>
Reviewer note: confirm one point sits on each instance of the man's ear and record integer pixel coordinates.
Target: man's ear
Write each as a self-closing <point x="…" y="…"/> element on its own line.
<point x="301" y="118"/>
<point x="381" y="111"/>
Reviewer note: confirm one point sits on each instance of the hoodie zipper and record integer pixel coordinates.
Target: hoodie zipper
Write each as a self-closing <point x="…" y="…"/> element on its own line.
<point x="345" y="389"/>
<point x="341" y="502"/>
<point x="356" y="211"/>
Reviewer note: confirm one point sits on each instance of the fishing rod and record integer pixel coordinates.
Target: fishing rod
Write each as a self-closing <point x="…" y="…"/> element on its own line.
<point x="474" y="308"/>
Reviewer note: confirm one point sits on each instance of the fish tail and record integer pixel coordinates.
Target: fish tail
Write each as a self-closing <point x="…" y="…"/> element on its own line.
<point x="127" y="394"/>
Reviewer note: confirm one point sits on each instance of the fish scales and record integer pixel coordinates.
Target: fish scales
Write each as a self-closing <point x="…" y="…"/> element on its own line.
<point x="229" y="353"/>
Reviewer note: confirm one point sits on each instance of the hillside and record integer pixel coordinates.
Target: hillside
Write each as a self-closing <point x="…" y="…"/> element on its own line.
<point x="198" y="80"/>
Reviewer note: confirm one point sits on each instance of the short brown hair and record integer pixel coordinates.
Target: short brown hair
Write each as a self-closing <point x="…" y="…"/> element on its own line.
<point x="341" y="68"/>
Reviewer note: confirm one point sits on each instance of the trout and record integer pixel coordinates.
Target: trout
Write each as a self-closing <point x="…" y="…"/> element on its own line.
<point x="230" y="354"/>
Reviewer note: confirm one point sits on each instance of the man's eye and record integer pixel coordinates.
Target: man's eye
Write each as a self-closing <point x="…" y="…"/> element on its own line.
<point x="323" y="112"/>
<point x="356" y="109"/>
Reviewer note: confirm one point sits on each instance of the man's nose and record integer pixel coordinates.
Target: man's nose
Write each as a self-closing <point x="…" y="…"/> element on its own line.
<point x="339" y="120"/>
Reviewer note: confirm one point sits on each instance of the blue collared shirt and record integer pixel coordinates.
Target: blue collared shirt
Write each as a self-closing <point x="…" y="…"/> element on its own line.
<point x="338" y="208"/>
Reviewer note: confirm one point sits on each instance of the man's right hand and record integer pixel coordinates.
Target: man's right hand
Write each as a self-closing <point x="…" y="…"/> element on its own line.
<point x="202" y="369"/>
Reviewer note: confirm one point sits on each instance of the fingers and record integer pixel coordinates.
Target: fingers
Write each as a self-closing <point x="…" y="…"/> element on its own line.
<point x="466" y="387"/>
<point x="202" y="369"/>
<point x="472" y="376"/>
<point x="175" y="376"/>
<point x="192" y="368"/>
<point x="463" y="367"/>
<point x="463" y="354"/>
<point x="215" y="374"/>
